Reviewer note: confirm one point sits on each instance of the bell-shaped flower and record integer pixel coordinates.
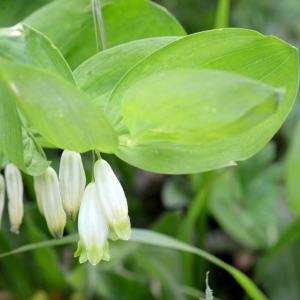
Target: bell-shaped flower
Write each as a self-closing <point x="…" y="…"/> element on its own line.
<point x="113" y="201"/>
<point x="71" y="182"/>
<point x="38" y="192"/>
<point x="2" y="196"/>
<point x="14" y="186"/>
<point x="92" y="227"/>
<point x="51" y="206"/>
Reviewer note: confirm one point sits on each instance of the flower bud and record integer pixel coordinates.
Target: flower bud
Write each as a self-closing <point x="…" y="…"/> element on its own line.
<point x="92" y="227"/>
<point x="2" y="196"/>
<point x="51" y="206"/>
<point x="38" y="193"/>
<point x="14" y="186"/>
<point x="113" y="201"/>
<point x="71" y="182"/>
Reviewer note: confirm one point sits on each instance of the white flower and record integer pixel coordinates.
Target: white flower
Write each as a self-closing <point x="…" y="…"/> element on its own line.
<point x="113" y="201"/>
<point x="71" y="182"/>
<point x="14" y="186"/>
<point x="2" y="196"/>
<point x="51" y="206"/>
<point x="92" y="227"/>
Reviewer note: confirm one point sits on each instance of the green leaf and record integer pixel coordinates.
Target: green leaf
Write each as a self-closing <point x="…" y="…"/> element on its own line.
<point x="124" y="21"/>
<point x="195" y="106"/>
<point x="13" y="12"/>
<point x="155" y="263"/>
<point x="244" y="52"/>
<point x="245" y="203"/>
<point x="293" y="171"/>
<point x="3" y="161"/>
<point x="208" y="291"/>
<point x="18" y="147"/>
<point x="175" y="194"/>
<point x="23" y="44"/>
<point x="59" y="111"/>
<point x="98" y="75"/>
<point x="289" y="236"/>
<point x="158" y="239"/>
<point x="281" y="280"/>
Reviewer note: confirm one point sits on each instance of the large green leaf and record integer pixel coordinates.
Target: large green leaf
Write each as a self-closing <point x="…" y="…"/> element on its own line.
<point x="161" y="240"/>
<point x="124" y="21"/>
<point x="98" y="75"/>
<point x="245" y="52"/>
<point x="59" y="111"/>
<point x="195" y="106"/>
<point x="23" y="44"/>
<point x="14" y="141"/>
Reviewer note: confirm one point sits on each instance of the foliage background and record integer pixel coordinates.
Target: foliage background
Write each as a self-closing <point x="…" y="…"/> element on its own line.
<point x="244" y="214"/>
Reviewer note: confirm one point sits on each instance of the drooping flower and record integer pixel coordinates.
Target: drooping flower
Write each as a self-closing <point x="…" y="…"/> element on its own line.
<point x="51" y="205"/>
<point x="71" y="182"/>
<point x="113" y="201"/>
<point x="14" y="186"/>
<point x="92" y="227"/>
<point x="2" y="196"/>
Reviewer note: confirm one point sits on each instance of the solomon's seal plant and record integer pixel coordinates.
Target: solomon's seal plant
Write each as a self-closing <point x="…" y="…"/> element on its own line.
<point x="158" y="99"/>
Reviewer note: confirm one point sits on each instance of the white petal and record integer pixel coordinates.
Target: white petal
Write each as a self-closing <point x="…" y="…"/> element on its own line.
<point x="51" y="203"/>
<point x="92" y="228"/>
<point x="14" y="186"/>
<point x="113" y="200"/>
<point x="71" y="182"/>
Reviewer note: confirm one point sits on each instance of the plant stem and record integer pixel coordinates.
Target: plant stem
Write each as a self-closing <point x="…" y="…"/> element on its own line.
<point x="96" y="5"/>
<point x="95" y="23"/>
<point x="93" y="178"/>
<point x="98" y="155"/>
<point x="101" y="25"/>
<point x="222" y="15"/>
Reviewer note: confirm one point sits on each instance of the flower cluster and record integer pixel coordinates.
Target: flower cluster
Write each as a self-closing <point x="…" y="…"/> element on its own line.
<point x="102" y="205"/>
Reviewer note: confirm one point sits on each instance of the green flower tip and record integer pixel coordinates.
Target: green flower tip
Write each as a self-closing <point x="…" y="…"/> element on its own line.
<point x="93" y="254"/>
<point x="57" y="233"/>
<point x="15" y="228"/>
<point x="72" y="215"/>
<point x="121" y="229"/>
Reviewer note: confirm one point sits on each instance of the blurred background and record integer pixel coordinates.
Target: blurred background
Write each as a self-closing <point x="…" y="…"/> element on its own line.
<point x="243" y="216"/>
